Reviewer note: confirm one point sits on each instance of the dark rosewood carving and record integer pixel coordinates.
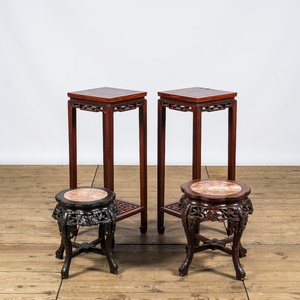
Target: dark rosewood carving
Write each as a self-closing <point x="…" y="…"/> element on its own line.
<point x="195" y="100"/>
<point x="71" y="215"/>
<point x="87" y="218"/>
<point x="234" y="212"/>
<point x="219" y="212"/>
<point x="108" y="101"/>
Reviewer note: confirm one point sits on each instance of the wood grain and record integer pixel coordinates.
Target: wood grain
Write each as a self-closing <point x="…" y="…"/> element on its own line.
<point x="107" y="94"/>
<point x="148" y="264"/>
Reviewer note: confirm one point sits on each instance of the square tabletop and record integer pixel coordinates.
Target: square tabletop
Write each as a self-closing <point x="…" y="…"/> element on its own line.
<point x="197" y="94"/>
<point x="107" y="94"/>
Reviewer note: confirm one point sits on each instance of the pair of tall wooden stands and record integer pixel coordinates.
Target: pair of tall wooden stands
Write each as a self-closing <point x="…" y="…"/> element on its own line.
<point x="203" y="200"/>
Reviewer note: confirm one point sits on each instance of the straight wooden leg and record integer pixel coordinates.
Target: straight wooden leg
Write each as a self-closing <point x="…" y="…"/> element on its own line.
<point x="232" y="113"/>
<point x="197" y="143"/>
<point x="143" y="164"/>
<point x="108" y="148"/>
<point x="161" y="142"/>
<point x="72" y="145"/>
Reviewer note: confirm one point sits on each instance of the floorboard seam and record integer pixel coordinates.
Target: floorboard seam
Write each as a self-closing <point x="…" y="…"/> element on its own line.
<point x="58" y="291"/>
<point x="93" y="181"/>
<point x="207" y="172"/>
<point x="246" y="290"/>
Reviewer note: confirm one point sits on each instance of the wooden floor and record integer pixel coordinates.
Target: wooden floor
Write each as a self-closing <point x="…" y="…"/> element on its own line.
<point x="148" y="264"/>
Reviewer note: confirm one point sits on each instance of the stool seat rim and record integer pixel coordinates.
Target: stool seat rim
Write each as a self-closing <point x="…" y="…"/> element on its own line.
<point x="60" y="198"/>
<point x="239" y="192"/>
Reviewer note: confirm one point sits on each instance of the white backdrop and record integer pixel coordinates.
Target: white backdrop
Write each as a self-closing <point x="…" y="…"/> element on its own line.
<point x="49" y="48"/>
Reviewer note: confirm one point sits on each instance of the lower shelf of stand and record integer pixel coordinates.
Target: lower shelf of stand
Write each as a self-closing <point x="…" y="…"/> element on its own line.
<point x="127" y="209"/>
<point x="172" y="209"/>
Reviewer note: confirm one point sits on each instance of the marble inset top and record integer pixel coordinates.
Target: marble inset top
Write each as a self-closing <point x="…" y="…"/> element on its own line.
<point x="215" y="188"/>
<point x="85" y="195"/>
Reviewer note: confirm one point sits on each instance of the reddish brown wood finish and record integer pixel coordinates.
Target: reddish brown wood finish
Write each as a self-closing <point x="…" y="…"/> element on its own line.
<point x="107" y="94"/>
<point x="72" y="145"/>
<point x="197" y="94"/>
<point x="143" y="164"/>
<point x="161" y="143"/>
<point x="108" y="101"/>
<point x="197" y="143"/>
<point x="232" y="116"/>
<point x="108" y="147"/>
<point x="195" y="100"/>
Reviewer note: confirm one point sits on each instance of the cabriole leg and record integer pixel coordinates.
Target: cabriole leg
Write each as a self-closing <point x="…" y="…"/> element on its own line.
<point x="57" y="214"/>
<point x="60" y="251"/>
<point x="239" y="228"/>
<point x="190" y="227"/>
<point x="108" y="243"/>
<point x="66" y="237"/>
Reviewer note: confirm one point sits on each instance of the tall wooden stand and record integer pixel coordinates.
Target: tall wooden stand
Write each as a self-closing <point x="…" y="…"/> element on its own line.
<point x="195" y="100"/>
<point x="108" y="101"/>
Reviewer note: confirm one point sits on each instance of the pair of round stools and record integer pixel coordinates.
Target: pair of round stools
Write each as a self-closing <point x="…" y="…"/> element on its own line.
<point x="203" y="200"/>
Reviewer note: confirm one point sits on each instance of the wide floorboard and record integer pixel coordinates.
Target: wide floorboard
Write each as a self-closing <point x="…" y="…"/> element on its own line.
<point x="148" y="263"/>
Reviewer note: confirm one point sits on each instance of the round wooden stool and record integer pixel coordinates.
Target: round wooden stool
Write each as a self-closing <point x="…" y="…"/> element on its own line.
<point x="85" y="206"/>
<point x="215" y="200"/>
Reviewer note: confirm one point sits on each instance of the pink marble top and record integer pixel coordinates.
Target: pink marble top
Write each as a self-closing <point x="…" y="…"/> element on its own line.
<point x="85" y="195"/>
<point x="215" y="188"/>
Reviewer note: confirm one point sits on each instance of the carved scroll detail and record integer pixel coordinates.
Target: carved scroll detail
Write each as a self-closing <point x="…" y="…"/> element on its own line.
<point x="88" y="107"/>
<point x="177" y="106"/>
<point x="221" y="213"/>
<point x="127" y="107"/>
<point x="194" y="212"/>
<point x="86" y="218"/>
<point x="210" y="108"/>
